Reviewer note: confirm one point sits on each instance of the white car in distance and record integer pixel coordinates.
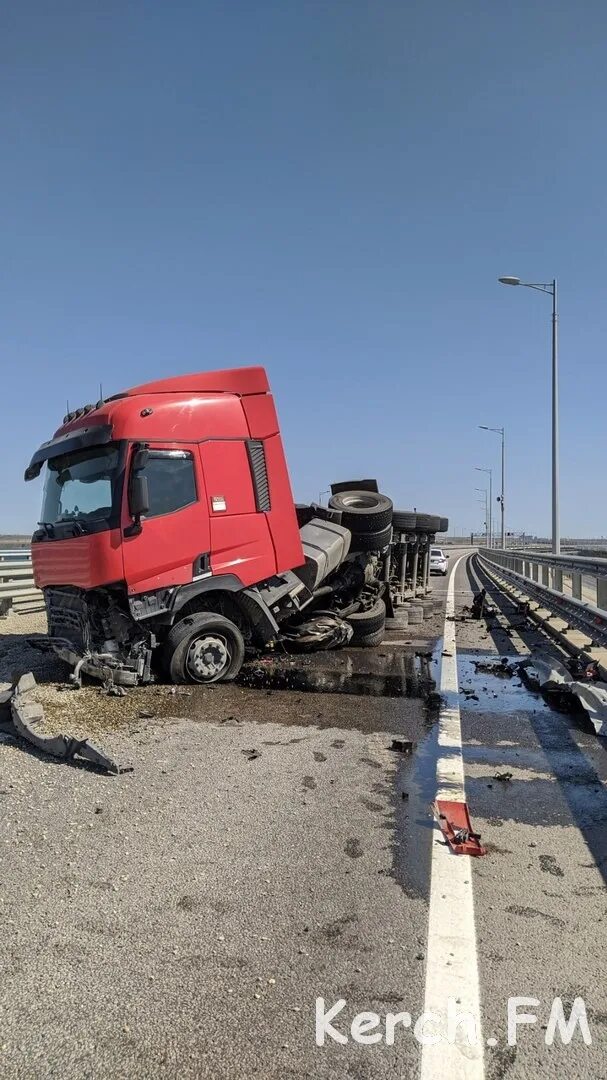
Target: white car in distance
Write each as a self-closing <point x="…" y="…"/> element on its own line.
<point x="438" y="561"/>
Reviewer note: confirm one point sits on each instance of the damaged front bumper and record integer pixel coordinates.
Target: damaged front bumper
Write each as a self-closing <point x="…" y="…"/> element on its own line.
<point x="103" y="666"/>
<point x="94" y="632"/>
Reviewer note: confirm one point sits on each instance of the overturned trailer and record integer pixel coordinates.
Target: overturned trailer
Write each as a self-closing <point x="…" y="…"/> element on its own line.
<point x="170" y="544"/>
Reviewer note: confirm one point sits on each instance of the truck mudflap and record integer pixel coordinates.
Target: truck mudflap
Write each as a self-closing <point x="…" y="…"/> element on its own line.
<point x="103" y="666"/>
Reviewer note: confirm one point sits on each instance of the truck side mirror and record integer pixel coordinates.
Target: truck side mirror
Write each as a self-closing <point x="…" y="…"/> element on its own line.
<point x="139" y="498"/>
<point x="140" y="459"/>
<point x="139" y="502"/>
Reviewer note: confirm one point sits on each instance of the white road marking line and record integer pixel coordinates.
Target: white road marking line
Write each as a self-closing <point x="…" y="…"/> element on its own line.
<point x="451" y="963"/>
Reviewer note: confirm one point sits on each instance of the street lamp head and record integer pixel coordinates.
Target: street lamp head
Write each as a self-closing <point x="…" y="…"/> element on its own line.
<point x="484" y="427"/>
<point x="509" y="280"/>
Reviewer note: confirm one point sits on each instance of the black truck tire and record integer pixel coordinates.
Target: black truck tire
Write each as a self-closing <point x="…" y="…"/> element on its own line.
<point x="404" y="520"/>
<point x="367" y="623"/>
<point x="370" y="641"/>
<point x="428" y="523"/>
<point x="363" y="511"/>
<point x="203" y="648"/>
<point x="375" y="541"/>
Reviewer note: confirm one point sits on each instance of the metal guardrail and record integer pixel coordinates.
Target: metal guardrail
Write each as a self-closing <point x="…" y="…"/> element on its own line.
<point x="17" y="590"/>
<point x="562" y="586"/>
<point x="16" y="555"/>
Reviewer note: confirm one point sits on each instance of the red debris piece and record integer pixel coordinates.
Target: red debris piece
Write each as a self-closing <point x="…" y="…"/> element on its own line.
<point x="455" y="824"/>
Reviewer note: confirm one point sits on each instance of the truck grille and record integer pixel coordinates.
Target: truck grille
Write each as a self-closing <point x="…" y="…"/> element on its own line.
<point x="259" y="472"/>
<point x="68" y="616"/>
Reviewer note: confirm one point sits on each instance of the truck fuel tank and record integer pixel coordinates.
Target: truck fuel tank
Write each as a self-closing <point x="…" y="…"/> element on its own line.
<point x="325" y="546"/>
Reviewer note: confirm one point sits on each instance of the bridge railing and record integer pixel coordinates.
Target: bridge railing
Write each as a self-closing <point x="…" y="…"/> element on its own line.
<point x="18" y="592"/>
<point x="574" y="586"/>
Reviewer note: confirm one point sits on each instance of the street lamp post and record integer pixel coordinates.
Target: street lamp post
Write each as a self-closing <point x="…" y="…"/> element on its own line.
<point x="500" y="431"/>
<point x="483" y="491"/>
<point x="490" y="518"/>
<point x="550" y="287"/>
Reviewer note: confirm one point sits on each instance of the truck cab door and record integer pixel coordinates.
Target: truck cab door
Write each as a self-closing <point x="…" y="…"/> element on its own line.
<point x="173" y="543"/>
<point x="241" y="541"/>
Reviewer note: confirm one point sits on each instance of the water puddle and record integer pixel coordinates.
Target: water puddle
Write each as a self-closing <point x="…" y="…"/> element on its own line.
<point x="390" y="674"/>
<point x="416" y="780"/>
<point x="494" y="691"/>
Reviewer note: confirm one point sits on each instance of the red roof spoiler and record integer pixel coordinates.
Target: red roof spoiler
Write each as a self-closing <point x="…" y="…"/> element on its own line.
<point x="242" y="381"/>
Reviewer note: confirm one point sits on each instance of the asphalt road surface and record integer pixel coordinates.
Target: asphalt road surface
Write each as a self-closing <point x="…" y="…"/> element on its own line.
<point x="270" y="848"/>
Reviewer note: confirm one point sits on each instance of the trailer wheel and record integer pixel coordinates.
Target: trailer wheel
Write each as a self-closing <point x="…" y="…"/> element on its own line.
<point x="375" y="541"/>
<point x="369" y="641"/>
<point x="368" y="623"/>
<point x="428" y="523"/>
<point x="363" y="511"/>
<point x="203" y="648"/>
<point x="404" y="520"/>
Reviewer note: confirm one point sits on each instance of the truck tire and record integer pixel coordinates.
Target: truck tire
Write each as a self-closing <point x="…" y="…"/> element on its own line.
<point x="367" y="623"/>
<point x="203" y="648"/>
<point x="404" y="520"/>
<point x="370" y="641"/>
<point x="375" y="541"/>
<point x="363" y="511"/>
<point x="428" y="523"/>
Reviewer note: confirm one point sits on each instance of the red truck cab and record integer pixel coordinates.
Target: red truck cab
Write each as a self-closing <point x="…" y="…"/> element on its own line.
<point x="153" y="498"/>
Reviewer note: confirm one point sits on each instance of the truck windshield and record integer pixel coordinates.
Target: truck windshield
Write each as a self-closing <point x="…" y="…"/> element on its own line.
<point x="82" y="487"/>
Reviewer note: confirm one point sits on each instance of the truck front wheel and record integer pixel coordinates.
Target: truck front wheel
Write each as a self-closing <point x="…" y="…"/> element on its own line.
<point x="203" y="648"/>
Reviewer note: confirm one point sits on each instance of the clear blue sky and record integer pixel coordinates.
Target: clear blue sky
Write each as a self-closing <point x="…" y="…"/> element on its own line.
<point x="330" y="189"/>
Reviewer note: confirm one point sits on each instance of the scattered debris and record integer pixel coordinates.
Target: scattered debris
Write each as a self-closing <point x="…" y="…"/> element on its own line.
<point x="505" y="777"/>
<point x="454" y="821"/>
<point x="108" y="687"/>
<point x="500" y="668"/>
<point x="470" y="695"/>
<point x="584" y="670"/>
<point x="26" y="716"/>
<point x="402" y="746"/>
<point x="145" y="714"/>
<point x="545" y="674"/>
<point x="252" y="754"/>
<point x="323" y="632"/>
<point x="593" y="699"/>
<point x="554" y="678"/>
<point x="481" y="607"/>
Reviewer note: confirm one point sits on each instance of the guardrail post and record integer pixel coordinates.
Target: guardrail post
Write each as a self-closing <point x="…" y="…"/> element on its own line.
<point x="576" y="586"/>
<point x="557" y="579"/>
<point x="601" y="593"/>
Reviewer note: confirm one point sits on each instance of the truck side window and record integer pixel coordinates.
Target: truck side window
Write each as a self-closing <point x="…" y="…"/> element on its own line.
<point x="171" y="483"/>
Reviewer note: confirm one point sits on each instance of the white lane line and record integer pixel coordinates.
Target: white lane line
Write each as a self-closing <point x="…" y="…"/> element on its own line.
<point x="451" y="964"/>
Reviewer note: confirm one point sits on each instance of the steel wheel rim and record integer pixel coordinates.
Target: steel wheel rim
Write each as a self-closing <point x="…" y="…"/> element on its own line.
<point x="208" y="658"/>
<point x="359" y="502"/>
